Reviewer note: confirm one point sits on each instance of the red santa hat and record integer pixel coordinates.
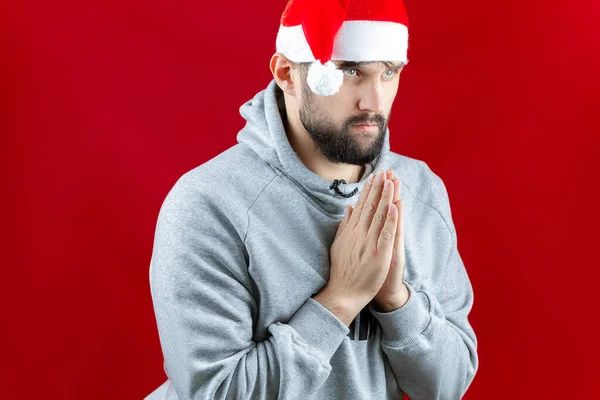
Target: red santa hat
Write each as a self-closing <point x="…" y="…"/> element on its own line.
<point x="320" y="31"/>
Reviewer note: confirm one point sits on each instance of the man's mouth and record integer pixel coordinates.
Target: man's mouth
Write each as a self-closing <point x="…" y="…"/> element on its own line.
<point x="366" y="127"/>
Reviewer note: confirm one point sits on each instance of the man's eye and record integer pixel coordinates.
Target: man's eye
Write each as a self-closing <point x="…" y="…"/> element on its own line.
<point x="389" y="73"/>
<point x="350" y="72"/>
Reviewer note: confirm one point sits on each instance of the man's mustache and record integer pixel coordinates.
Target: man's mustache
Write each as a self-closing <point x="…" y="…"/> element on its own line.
<point x="367" y="119"/>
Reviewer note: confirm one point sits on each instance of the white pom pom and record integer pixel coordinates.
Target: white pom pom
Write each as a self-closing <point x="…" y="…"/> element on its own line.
<point x="324" y="80"/>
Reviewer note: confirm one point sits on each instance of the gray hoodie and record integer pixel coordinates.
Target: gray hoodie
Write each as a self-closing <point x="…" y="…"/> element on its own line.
<point x="242" y="243"/>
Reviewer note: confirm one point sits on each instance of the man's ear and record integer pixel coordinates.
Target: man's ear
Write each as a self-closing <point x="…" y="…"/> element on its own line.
<point x="281" y="68"/>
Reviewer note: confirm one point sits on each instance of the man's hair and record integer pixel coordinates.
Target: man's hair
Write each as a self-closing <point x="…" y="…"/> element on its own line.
<point x="302" y="68"/>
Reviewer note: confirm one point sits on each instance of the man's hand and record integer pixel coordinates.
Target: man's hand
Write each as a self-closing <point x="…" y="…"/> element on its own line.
<point x="394" y="294"/>
<point x="362" y="250"/>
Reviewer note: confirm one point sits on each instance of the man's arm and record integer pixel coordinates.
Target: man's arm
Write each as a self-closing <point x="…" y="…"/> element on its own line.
<point x="204" y="308"/>
<point x="428" y="340"/>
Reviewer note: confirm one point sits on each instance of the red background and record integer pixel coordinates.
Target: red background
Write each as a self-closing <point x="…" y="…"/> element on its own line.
<point x="104" y="104"/>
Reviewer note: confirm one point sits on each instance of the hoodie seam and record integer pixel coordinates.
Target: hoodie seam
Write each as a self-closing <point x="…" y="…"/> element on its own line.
<point x="251" y="204"/>
<point x="295" y="185"/>
<point x="302" y="191"/>
<point x="433" y="208"/>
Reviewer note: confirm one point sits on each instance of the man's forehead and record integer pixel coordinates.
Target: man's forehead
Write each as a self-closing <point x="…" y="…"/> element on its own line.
<point x="351" y="64"/>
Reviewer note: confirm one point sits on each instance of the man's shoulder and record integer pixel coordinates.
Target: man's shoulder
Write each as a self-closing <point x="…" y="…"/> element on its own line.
<point x="237" y="167"/>
<point x="228" y="183"/>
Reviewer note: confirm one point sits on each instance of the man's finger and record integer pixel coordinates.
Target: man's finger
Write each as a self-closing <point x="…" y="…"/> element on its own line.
<point x="358" y="207"/>
<point x="399" y="238"/>
<point x="370" y="205"/>
<point x="396" y="189"/>
<point x="390" y="175"/>
<point x="385" y="243"/>
<point x="380" y="215"/>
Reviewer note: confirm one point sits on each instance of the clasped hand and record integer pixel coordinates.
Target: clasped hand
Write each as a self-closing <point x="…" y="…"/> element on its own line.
<point x="367" y="255"/>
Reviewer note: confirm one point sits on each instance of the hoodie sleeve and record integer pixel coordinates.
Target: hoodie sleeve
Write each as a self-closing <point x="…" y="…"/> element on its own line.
<point x="429" y="342"/>
<point x="205" y="308"/>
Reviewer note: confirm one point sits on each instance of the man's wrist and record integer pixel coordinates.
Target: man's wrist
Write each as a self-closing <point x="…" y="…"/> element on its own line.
<point x="396" y="301"/>
<point x="342" y="307"/>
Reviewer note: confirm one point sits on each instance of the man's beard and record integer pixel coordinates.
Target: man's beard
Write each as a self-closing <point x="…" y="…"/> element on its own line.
<point x="338" y="144"/>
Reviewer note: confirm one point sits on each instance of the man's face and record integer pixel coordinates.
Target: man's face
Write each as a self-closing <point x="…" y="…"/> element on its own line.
<point x="333" y="122"/>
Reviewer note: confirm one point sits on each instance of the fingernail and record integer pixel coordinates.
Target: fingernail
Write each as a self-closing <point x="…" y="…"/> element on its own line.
<point x="370" y="178"/>
<point x="380" y="176"/>
<point x="386" y="185"/>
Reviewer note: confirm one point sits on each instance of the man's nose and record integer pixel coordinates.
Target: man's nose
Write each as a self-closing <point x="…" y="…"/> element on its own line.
<point x="372" y="97"/>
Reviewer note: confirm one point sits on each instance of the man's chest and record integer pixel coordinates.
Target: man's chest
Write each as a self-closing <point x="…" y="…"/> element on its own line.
<point x="288" y="257"/>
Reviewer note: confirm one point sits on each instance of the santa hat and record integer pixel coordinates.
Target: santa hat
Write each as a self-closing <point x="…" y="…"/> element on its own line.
<point x="319" y="31"/>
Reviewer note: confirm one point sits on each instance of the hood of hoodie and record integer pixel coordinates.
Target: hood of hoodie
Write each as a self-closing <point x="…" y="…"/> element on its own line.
<point x="265" y="134"/>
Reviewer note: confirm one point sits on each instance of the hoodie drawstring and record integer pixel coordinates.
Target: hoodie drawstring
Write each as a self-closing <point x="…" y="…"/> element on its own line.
<point x="335" y="185"/>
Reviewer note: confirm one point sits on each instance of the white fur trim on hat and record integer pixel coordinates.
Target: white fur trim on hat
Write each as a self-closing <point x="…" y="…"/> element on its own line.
<point x="355" y="41"/>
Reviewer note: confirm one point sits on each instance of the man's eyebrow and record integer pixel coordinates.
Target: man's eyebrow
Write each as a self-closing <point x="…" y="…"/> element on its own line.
<point x="354" y="64"/>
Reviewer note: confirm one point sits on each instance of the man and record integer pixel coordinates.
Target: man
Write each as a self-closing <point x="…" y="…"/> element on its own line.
<point x="285" y="267"/>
